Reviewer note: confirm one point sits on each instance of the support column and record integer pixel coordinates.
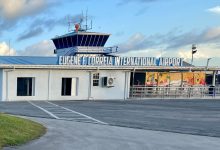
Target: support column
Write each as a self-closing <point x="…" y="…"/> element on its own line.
<point x="6" y="89"/>
<point x="48" y="82"/>
<point x="126" y="85"/>
<point x="90" y="86"/>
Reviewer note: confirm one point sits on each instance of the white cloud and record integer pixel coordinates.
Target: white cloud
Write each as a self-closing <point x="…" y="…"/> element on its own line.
<point x="173" y="44"/>
<point x="4" y="49"/>
<point x="204" y="52"/>
<point x="215" y="10"/>
<point x="43" y="48"/>
<point x="12" y="9"/>
<point x="211" y="34"/>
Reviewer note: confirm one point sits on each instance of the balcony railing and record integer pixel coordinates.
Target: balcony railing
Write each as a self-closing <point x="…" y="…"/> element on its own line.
<point x="142" y="92"/>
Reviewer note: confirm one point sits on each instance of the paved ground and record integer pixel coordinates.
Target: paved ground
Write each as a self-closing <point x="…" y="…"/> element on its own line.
<point x="197" y="117"/>
<point x="71" y="135"/>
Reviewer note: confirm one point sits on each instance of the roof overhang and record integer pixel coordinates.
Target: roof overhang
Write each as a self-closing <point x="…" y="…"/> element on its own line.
<point x="132" y="68"/>
<point x="80" y="33"/>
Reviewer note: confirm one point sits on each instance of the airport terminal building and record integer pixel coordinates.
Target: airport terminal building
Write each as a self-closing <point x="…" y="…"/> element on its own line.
<point x="84" y="70"/>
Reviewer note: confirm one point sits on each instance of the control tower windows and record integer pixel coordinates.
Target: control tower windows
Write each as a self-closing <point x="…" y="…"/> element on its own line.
<point x="87" y="40"/>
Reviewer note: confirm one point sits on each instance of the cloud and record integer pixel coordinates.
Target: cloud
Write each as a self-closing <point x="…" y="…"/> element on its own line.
<point x="7" y="25"/>
<point x="50" y="23"/>
<point x="138" y="42"/>
<point x="42" y="24"/>
<point x="11" y="9"/>
<point x="5" y="50"/>
<point x="215" y="10"/>
<point x="210" y="35"/>
<point x="175" y="44"/>
<point x="171" y="40"/>
<point x="43" y="48"/>
<point x="29" y="34"/>
<point x="204" y="52"/>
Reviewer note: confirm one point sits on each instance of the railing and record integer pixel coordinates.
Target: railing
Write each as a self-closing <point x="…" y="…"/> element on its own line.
<point x="141" y="92"/>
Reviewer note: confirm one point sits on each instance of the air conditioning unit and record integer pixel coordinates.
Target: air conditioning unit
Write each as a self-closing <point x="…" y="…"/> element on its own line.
<point x="108" y="81"/>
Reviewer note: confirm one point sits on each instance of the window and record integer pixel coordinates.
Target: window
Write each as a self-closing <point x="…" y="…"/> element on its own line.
<point x="25" y="86"/>
<point x="96" y="79"/>
<point x="69" y="86"/>
<point x="66" y="86"/>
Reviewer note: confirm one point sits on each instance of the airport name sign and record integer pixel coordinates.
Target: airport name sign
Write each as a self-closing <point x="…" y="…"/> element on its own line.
<point x="119" y="61"/>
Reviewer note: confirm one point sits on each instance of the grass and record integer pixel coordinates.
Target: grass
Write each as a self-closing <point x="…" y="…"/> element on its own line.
<point x="15" y="131"/>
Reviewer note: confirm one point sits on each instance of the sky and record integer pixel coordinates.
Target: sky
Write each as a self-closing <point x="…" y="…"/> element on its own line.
<point x="146" y="28"/>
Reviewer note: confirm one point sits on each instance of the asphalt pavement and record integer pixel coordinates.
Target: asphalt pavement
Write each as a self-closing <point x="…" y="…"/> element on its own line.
<point x="196" y="117"/>
<point x="71" y="135"/>
<point x="133" y="124"/>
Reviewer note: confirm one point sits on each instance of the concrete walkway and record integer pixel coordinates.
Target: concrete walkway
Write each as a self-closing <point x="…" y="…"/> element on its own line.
<point x="70" y="135"/>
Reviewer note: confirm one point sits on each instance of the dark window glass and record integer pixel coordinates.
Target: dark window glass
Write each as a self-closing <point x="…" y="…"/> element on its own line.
<point x="69" y="42"/>
<point x="24" y="86"/>
<point x="104" y="40"/>
<point x="96" y="79"/>
<point x="95" y="40"/>
<point x="66" y="86"/>
<point x="79" y="39"/>
<point x="92" y="40"/>
<point x="82" y="42"/>
<point x="55" y="41"/>
<point x="74" y="40"/>
<point x="65" y="42"/>
<point x="100" y="40"/>
<point x="88" y="40"/>
<point x="61" y="43"/>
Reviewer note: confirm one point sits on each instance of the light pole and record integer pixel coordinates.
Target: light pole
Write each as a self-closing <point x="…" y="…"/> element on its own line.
<point x="207" y="64"/>
<point x="194" y="50"/>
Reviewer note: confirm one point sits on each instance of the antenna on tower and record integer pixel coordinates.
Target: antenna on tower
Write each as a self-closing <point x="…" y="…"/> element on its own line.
<point x="70" y="24"/>
<point x="86" y="18"/>
<point x="79" y="26"/>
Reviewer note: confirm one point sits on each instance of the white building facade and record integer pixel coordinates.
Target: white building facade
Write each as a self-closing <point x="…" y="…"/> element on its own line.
<point x="40" y="83"/>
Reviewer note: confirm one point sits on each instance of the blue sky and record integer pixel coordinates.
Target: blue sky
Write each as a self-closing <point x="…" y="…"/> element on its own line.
<point x="138" y="27"/>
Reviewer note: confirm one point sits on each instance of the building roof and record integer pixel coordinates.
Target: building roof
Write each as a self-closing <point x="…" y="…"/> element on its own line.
<point x="43" y="62"/>
<point x="28" y="60"/>
<point x="80" y="33"/>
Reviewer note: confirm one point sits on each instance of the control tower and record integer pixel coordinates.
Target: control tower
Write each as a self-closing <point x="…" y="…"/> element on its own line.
<point x="81" y="42"/>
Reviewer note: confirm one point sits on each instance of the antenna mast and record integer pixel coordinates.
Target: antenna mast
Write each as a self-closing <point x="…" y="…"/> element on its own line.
<point x="80" y="26"/>
<point x="70" y="23"/>
<point x="86" y="19"/>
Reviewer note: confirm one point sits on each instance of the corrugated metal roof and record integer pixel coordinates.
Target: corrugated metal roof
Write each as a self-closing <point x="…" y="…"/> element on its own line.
<point x="28" y="60"/>
<point x="42" y="62"/>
